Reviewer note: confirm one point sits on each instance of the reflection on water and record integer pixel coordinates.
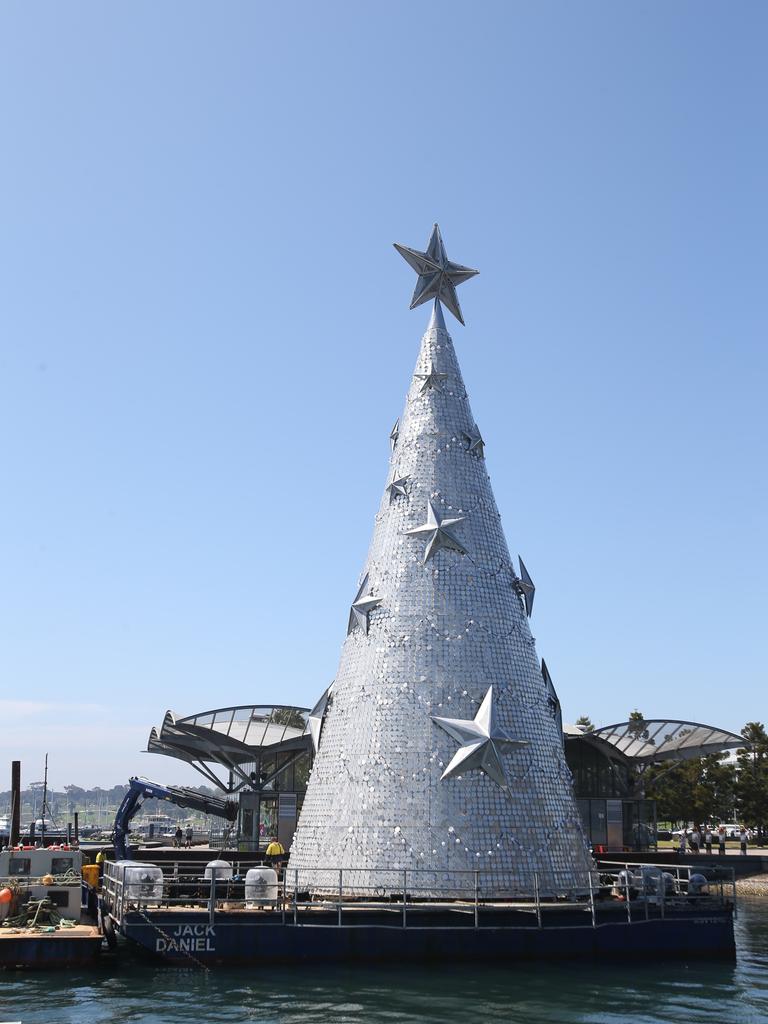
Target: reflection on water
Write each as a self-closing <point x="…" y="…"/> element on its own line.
<point x="628" y="994"/>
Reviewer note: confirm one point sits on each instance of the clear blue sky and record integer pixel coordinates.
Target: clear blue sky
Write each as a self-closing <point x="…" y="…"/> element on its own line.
<point x="205" y="340"/>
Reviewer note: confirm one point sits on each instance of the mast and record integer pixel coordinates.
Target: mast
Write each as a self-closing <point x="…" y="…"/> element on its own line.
<point x="45" y="800"/>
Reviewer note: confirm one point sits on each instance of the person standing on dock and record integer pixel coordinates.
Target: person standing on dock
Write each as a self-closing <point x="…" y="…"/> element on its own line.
<point x="721" y="841"/>
<point x="682" y="843"/>
<point x="743" y="838"/>
<point x="178" y="837"/>
<point x="695" y="839"/>
<point x="188" y="837"/>
<point x="708" y="839"/>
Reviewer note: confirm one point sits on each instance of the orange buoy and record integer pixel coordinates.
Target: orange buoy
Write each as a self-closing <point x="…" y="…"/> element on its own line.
<point x="5" y="896"/>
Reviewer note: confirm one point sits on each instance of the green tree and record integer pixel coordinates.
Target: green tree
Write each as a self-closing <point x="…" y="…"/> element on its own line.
<point x="696" y="790"/>
<point x="288" y="716"/>
<point x="585" y="722"/>
<point x="752" y="782"/>
<point x="638" y="725"/>
<point x="720" y="782"/>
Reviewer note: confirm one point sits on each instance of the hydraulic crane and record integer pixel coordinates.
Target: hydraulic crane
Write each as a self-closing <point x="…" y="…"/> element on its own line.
<point x="141" y="790"/>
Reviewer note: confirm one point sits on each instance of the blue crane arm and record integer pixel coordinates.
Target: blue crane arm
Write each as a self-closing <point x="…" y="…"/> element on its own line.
<point x="141" y="790"/>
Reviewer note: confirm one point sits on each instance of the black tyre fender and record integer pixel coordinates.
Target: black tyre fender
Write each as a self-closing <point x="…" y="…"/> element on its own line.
<point x="108" y="930"/>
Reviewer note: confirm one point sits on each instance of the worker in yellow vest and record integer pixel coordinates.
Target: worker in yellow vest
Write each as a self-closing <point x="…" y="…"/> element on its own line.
<point x="275" y="853"/>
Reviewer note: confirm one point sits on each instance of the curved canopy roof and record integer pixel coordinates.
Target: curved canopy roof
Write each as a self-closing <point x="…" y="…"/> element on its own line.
<point x="646" y="741"/>
<point x="231" y="737"/>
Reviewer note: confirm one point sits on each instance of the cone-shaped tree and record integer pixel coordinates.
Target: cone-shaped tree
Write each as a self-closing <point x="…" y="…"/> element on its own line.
<point x="440" y="749"/>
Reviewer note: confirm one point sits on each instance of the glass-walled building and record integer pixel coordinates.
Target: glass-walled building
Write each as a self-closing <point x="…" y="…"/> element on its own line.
<point x="608" y="767"/>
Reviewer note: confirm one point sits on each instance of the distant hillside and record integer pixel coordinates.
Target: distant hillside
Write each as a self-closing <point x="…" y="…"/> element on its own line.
<point x="95" y="806"/>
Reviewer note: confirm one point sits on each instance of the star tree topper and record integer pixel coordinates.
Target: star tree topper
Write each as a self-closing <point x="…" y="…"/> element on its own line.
<point x="482" y="740"/>
<point x="438" y="277"/>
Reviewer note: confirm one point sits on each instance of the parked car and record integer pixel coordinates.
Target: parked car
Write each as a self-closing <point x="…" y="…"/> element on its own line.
<point x="732" y="831"/>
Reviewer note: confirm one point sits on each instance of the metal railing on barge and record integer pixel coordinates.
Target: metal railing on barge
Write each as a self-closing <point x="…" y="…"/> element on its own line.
<point x="635" y="892"/>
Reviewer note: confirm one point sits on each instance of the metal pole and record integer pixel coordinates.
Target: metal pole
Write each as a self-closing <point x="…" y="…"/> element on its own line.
<point x="405" y="896"/>
<point x="629" y="895"/>
<point x="45" y="801"/>
<point x="76" y="816"/>
<point x="537" y="897"/>
<point x="592" y="900"/>
<point x="212" y="900"/>
<point x="341" y="872"/>
<point x="15" y="835"/>
<point x="645" y="896"/>
<point x="477" y="873"/>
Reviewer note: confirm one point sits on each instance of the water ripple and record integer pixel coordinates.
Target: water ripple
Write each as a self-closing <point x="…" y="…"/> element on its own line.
<point x="129" y="992"/>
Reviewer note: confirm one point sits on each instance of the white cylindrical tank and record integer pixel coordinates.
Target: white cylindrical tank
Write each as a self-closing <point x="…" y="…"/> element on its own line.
<point x="626" y="885"/>
<point x="669" y="883"/>
<point x="140" y="881"/>
<point x="260" y="886"/>
<point x="698" y="885"/>
<point x="223" y="869"/>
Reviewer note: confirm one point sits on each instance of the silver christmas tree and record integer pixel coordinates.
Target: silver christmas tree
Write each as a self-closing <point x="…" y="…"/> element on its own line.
<point x="439" y="749"/>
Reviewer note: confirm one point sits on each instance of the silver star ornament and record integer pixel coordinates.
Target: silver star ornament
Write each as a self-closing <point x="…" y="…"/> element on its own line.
<point x="482" y="743"/>
<point x="438" y="277"/>
<point x="431" y="379"/>
<point x="394" y="434"/>
<point x="316" y="718"/>
<point x="475" y="442"/>
<point x="437" y="530"/>
<point x="523" y="584"/>
<point x="361" y="608"/>
<point x="397" y="486"/>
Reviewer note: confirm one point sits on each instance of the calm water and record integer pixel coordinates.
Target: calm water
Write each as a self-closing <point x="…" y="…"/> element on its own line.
<point x="631" y="995"/>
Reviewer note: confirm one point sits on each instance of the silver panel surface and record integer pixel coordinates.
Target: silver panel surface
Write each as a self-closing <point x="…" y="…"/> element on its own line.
<point x="449" y="626"/>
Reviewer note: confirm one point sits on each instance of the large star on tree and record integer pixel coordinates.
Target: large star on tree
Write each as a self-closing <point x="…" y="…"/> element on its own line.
<point x="436" y="528"/>
<point x="482" y="742"/>
<point x="438" y="277"/>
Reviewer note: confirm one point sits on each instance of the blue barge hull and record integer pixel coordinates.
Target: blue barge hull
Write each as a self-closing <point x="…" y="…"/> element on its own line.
<point x="248" y="937"/>
<point x="78" y="948"/>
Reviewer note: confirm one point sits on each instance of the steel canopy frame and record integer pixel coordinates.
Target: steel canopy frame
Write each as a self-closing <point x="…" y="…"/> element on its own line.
<point x="232" y="737"/>
<point x="649" y="741"/>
